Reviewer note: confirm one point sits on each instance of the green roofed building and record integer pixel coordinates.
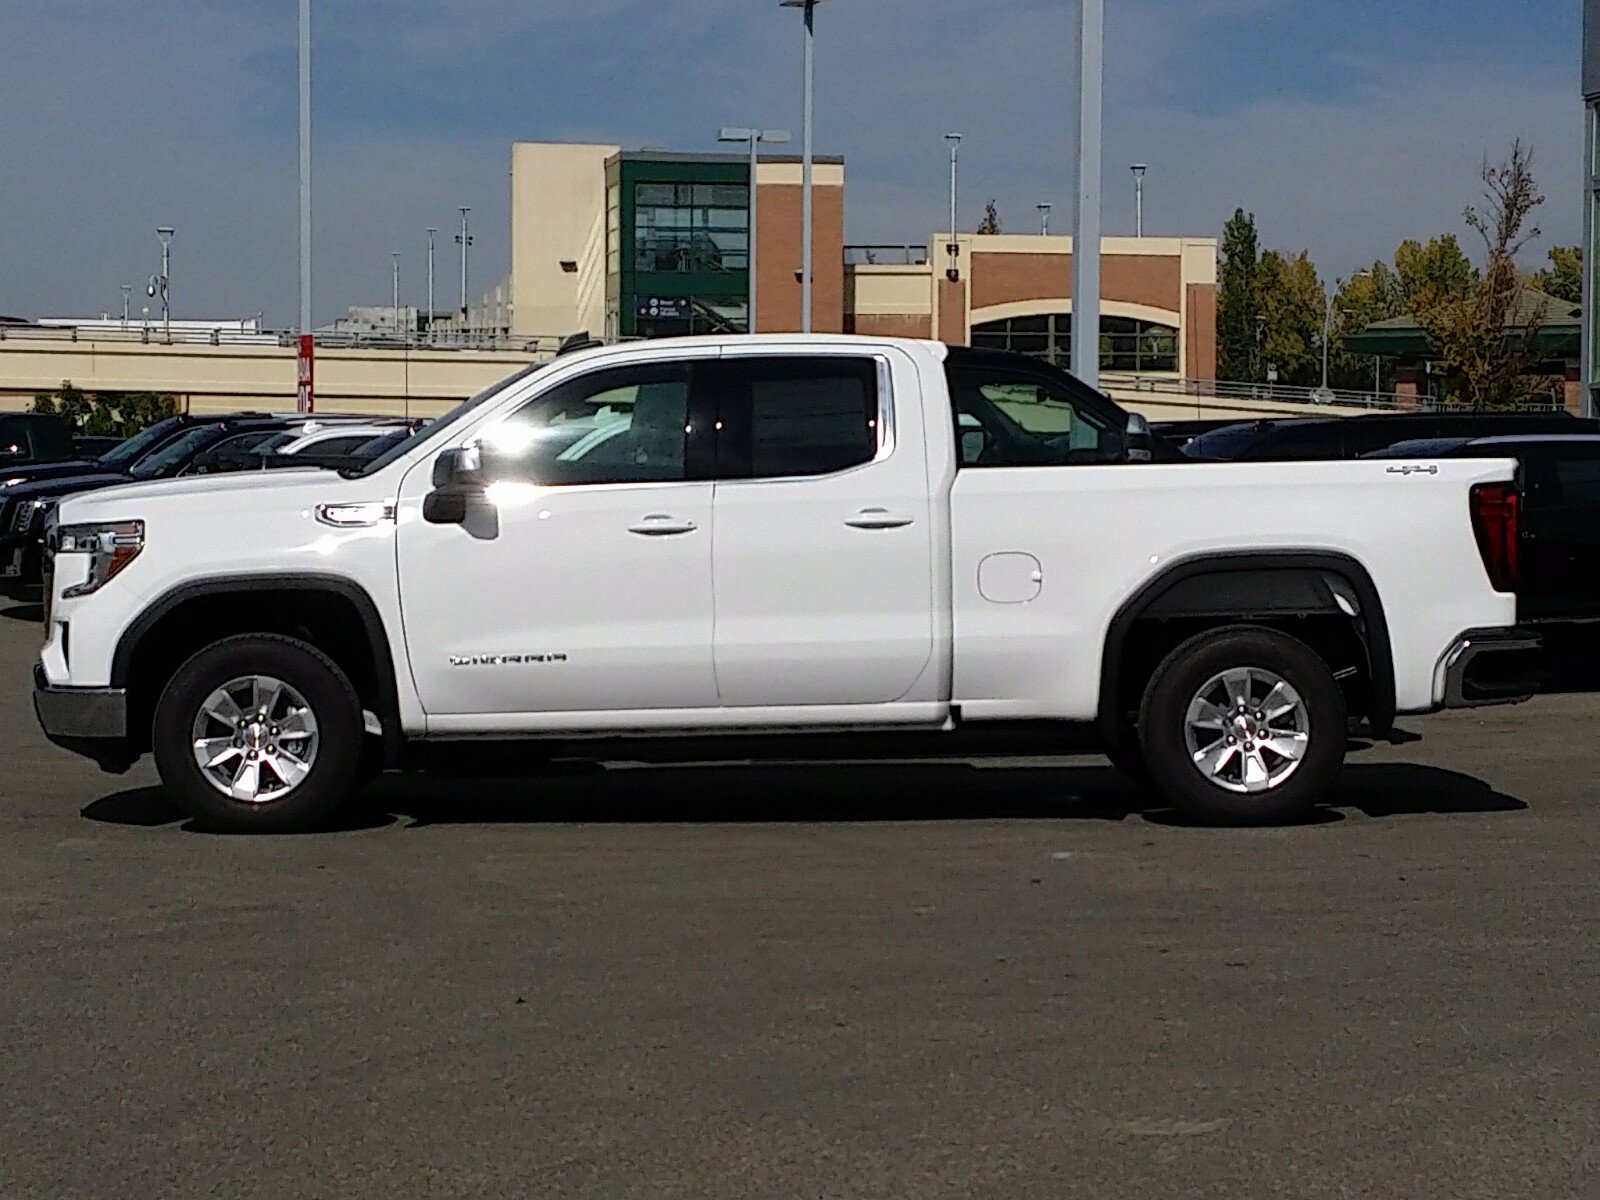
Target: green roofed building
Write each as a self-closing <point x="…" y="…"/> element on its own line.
<point x="1559" y="326"/>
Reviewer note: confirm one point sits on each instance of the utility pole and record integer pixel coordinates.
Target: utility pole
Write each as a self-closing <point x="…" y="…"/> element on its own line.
<point x="464" y="240"/>
<point x="1086" y="193"/>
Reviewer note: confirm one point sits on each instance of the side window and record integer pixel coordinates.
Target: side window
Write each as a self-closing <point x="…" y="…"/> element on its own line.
<point x="627" y="425"/>
<point x="338" y="445"/>
<point x="1010" y="417"/>
<point x="223" y="455"/>
<point x="785" y="418"/>
<point x="1577" y="479"/>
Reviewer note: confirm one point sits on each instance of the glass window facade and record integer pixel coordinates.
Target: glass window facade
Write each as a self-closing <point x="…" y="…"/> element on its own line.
<point x="677" y="246"/>
<point x="1126" y="344"/>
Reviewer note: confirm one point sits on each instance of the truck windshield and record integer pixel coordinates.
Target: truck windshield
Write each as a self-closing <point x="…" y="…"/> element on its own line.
<point x="125" y="454"/>
<point x="174" y="454"/>
<point x="453" y="417"/>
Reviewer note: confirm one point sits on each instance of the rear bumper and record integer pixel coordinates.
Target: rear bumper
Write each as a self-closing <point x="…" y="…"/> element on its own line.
<point x="1492" y="666"/>
<point x="92" y="722"/>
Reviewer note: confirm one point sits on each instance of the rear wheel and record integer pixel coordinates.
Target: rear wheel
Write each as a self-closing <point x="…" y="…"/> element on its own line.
<point x="1243" y="726"/>
<point x="259" y="734"/>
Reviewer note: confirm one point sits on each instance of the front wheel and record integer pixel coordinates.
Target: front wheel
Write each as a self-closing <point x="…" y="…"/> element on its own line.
<point x="259" y="734"/>
<point x="1243" y="727"/>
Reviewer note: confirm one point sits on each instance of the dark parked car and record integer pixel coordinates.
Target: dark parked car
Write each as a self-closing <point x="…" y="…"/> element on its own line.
<point x="93" y="446"/>
<point x="192" y="446"/>
<point x="29" y="438"/>
<point x="1326" y="438"/>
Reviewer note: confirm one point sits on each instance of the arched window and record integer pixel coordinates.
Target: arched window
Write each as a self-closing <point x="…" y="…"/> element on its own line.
<point x="1126" y="343"/>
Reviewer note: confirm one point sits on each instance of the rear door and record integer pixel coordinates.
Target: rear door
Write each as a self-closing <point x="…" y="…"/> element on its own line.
<point x="823" y="541"/>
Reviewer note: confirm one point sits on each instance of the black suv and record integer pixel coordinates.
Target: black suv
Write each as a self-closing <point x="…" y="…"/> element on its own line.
<point x="1321" y="439"/>
<point x="29" y="438"/>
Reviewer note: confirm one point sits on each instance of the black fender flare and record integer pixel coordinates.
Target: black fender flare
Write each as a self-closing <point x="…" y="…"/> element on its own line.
<point x="1257" y="585"/>
<point x="388" y="697"/>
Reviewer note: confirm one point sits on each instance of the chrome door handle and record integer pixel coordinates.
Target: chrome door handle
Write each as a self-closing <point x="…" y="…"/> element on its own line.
<point x="662" y="525"/>
<point x="878" y="518"/>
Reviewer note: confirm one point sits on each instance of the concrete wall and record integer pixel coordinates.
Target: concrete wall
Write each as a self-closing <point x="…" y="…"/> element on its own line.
<point x="558" y="213"/>
<point x="779" y="214"/>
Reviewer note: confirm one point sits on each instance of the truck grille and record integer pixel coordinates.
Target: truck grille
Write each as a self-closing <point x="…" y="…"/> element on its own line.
<point x="18" y="518"/>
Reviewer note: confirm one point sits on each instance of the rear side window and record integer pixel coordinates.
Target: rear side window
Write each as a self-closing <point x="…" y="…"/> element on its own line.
<point x="786" y="418"/>
<point x="1016" y="417"/>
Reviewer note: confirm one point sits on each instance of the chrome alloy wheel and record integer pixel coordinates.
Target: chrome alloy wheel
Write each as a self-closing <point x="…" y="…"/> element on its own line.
<point x="255" y="739"/>
<point x="1247" y="730"/>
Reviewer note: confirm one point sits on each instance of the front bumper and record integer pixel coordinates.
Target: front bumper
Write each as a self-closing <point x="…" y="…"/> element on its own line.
<point x="92" y="722"/>
<point x="1492" y="666"/>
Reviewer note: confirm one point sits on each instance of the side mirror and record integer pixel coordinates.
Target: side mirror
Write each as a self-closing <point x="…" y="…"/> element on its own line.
<point x="460" y="470"/>
<point x="1139" y="444"/>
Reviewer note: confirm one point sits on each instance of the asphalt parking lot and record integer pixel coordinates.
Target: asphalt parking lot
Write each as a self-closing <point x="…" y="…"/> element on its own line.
<point x="863" y="981"/>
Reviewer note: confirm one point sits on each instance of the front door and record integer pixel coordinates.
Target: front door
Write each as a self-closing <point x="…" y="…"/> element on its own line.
<point x="824" y="533"/>
<point x="581" y="582"/>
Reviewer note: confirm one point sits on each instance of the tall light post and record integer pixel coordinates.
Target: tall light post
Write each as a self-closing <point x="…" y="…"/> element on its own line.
<point x="1589" y="368"/>
<point x="807" y="161"/>
<point x="755" y="137"/>
<point x="161" y="285"/>
<point x="1138" y="170"/>
<point x="464" y="240"/>
<point x="1044" y="219"/>
<point x="1325" y="393"/>
<point x="953" y="274"/>
<point x="432" y="229"/>
<point x="127" y="290"/>
<point x="395" y="254"/>
<point x="305" y="397"/>
<point x="1086" y="192"/>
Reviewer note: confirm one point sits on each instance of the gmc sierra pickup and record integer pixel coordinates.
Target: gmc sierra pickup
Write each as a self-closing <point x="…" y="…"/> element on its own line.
<point x="770" y="537"/>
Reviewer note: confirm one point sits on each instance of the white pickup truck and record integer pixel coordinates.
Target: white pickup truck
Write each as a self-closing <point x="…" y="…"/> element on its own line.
<point x="777" y="536"/>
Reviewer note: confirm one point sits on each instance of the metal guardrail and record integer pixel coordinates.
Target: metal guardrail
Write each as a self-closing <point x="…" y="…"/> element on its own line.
<point x="885" y="255"/>
<point x="155" y="336"/>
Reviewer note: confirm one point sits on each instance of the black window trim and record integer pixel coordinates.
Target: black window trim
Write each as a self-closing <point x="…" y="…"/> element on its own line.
<point x="886" y="426"/>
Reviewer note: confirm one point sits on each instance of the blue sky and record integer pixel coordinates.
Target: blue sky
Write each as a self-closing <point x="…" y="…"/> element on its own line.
<point x="1345" y="126"/>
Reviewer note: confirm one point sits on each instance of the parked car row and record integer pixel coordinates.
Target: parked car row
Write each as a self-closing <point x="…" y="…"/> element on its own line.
<point x="177" y="446"/>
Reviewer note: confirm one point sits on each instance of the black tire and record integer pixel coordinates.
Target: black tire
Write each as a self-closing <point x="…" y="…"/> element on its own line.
<point x="1163" y="720"/>
<point x="335" y="768"/>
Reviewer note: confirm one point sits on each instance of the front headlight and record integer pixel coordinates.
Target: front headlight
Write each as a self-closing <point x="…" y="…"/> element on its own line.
<point x="110" y="546"/>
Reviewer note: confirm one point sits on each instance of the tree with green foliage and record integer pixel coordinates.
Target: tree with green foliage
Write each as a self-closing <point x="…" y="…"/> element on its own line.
<point x="1434" y="273"/>
<point x="991" y="219"/>
<point x="1238" y="304"/>
<point x="1563" y="278"/>
<point x="1481" y="335"/>
<point x="1292" y="305"/>
<point x="105" y="414"/>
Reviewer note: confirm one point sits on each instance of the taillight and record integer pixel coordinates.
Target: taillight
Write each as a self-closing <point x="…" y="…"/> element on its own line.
<point x="1496" y="508"/>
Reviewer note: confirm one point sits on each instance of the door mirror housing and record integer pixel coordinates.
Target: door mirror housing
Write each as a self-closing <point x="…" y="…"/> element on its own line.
<point x="460" y="470"/>
<point x="1138" y="444"/>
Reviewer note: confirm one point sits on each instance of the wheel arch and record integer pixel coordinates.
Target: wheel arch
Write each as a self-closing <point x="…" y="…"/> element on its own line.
<point x="333" y="613"/>
<point x="1254" y="587"/>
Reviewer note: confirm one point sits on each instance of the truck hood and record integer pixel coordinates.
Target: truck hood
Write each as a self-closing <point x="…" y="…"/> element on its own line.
<point x="223" y="495"/>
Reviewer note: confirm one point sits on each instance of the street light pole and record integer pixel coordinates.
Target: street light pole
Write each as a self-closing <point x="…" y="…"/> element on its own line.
<point x="1086" y="193"/>
<point x="1138" y="198"/>
<point x="954" y="247"/>
<point x="464" y="239"/>
<point x="807" y="189"/>
<point x="755" y="137"/>
<point x="127" y="288"/>
<point x="161" y="285"/>
<point x="395" y="254"/>
<point x="305" y="166"/>
<point x="1044" y="219"/>
<point x="431" y="231"/>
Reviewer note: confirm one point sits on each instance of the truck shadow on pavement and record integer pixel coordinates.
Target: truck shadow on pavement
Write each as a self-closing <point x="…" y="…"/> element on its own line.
<point x="581" y="793"/>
